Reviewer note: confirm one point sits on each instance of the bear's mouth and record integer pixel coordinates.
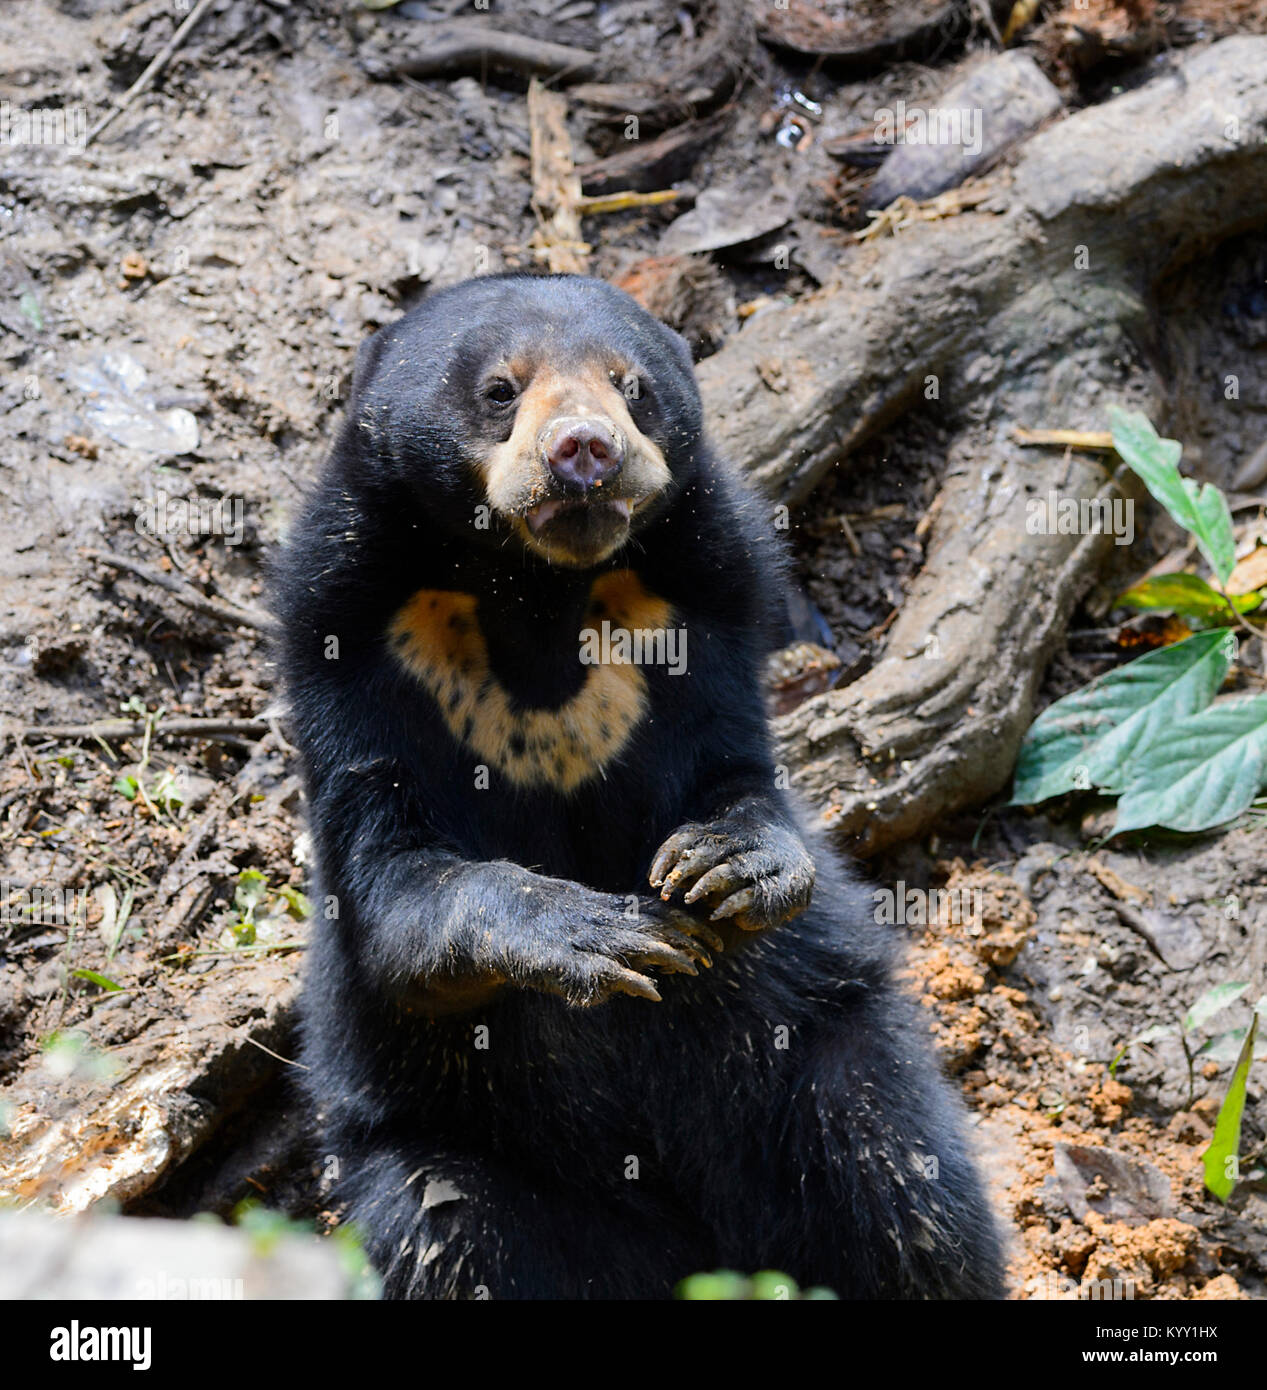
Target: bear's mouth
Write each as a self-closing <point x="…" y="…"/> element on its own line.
<point x="577" y="531"/>
<point x="580" y="513"/>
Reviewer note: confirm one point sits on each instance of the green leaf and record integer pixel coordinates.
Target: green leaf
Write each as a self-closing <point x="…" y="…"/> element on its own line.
<point x="296" y="903"/>
<point x="110" y="986"/>
<point x="1226" y="1144"/>
<point x="723" y="1285"/>
<point x="1223" y="1048"/>
<point x="1202" y="510"/>
<point x="1086" y="739"/>
<point x="126" y="786"/>
<point x="1187" y="594"/>
<point x="1153" y="1034"/>
<point x="1205" y="772"/>
<point x="769" y="1285"/>
<point x="167" y="790"/>
<point x="30" y="306"/>
<point x="1212" y="1001"/>
<point x="249" y="893"/>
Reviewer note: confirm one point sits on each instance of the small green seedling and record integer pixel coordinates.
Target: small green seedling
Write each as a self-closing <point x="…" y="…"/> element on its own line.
<point x="1221" y="1159"/>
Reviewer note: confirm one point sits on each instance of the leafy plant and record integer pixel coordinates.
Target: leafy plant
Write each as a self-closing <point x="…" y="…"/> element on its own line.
<point x="1201" y="510"/>
<point x="71" y="1055"/>
<point x="1152" y="732"/>
<point x="1214" y="1049"/>
<point x="257" y="909"/>
<point x="1189" y="595"/>
<point x="296" y="903"/>
<point x="1220" y="1159"/>
<point x="165" y="793"/>
<point x="266" y="1227"/>
<point x="127" y="787"/>
<point x="250" y="892"/>
<point x="94" y="977"/>
<point x="349" y="1245"/>
<point x="724" y="1285"/>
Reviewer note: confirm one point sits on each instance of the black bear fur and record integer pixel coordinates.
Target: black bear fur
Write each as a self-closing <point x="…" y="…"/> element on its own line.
<point x="513" y="1111"/>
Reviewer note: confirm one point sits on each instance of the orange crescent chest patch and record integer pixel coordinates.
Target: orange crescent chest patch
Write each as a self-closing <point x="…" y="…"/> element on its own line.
<point x="437" y="637"/>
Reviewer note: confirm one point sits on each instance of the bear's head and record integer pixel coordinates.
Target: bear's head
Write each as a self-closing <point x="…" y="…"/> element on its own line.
<point x="551" y="411"/>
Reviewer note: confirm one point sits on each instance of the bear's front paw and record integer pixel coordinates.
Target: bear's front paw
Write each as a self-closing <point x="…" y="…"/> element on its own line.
<point x="744" y="867"/>
<point x="599" y="946"/>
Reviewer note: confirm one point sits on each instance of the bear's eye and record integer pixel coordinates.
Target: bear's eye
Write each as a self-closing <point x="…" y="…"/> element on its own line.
<point x="630" y="384"/>
<point x="500" y="392"/>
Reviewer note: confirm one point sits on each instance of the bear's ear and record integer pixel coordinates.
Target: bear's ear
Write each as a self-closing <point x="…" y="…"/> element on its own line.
<point x="367" y="359"/>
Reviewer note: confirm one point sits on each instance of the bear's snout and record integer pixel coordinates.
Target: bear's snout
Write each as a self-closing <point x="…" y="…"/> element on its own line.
<point x="583" y="453"/>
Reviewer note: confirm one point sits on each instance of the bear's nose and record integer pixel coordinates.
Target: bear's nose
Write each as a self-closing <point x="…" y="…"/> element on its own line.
<point x="584" y="454"/>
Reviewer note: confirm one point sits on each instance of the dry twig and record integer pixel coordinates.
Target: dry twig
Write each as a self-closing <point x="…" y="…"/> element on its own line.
<point x="185" y="593"/>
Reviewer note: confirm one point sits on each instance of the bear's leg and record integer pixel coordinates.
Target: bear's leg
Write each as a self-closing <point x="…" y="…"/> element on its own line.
<point x="449" y="1225"/>
<point x="871" y="1187"/>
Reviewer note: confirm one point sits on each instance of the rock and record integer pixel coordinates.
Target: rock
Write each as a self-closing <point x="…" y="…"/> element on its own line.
<point x="1110" y="1184"/>
<point x="119" y="1257"/>
<point x="73" y="1139"/>
<point x="725" y="217"/>
<point x="859" y="35"/>
<point x="1220" y="1288"/>
<point x="969" y="126"/>
<point x="116" y="403"/>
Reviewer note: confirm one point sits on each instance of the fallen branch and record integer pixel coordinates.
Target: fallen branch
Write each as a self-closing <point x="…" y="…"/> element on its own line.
<point x="156" y="66"/>
<point x="650" y="164"/>
<point x="185" y="593"/>
<point x="432" y="50"/>
<point x="928" y="301"/>
<point x="135" y="728"/>
<point x="176" y="1084"/>
<point x="1100" y="440"/>
<point x="622" y="202"/>
<point x="955" y="308"/>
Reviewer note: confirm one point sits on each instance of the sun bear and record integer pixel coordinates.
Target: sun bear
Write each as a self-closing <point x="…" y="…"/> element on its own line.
<point x="589" y="1007"/>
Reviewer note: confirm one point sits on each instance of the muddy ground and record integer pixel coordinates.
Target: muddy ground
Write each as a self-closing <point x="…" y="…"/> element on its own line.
<point x="179" y="308"/>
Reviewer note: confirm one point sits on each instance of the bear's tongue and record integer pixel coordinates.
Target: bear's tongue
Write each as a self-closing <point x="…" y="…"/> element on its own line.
<point x="543" y="512"/>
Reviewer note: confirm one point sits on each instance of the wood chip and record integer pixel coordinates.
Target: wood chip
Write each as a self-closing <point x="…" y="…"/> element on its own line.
<point x="556" y="186"/>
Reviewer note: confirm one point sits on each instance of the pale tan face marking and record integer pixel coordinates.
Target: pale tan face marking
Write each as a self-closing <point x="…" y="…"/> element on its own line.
<point x="437" y="636"/>
<point x="514" y="473"/>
